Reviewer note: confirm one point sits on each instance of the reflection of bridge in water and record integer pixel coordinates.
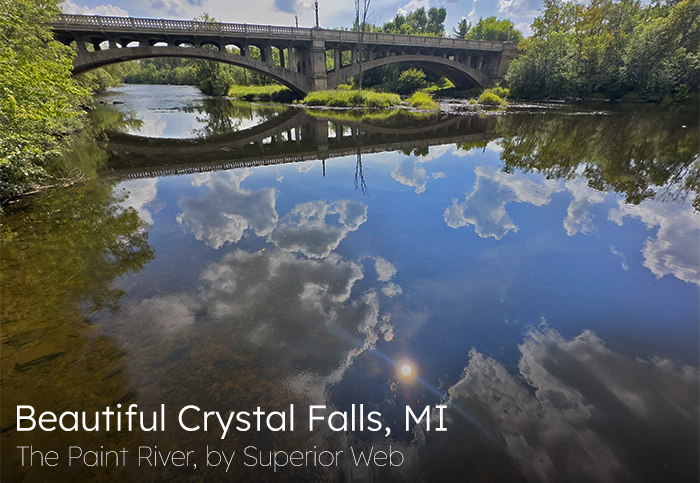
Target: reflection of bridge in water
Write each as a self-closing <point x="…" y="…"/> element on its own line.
<point x="292" y="137"/>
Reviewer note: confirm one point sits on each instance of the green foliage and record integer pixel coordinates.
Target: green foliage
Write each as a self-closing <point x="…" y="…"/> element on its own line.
<point x="262" y="93"/>
<point x="422" y="100"/>
<point x="224" y="116"/>
<point x="392" y="117"/>
<point x="39" y="102"/>
<point x="99" y="80"/>
<point x="462" y="30"/>
<point x="173" y="71"/>
<point x="410" y="81"/>
<point x="418" y="22"/>
<point x="501" y="92"/>
<point x="351" y="99"/>
<point x="608" y="49"/>
<point x="489" y="98"/>
<point x="210" y="77"/>
<point x="491" y="28"/>
<point x="627" y="153"/>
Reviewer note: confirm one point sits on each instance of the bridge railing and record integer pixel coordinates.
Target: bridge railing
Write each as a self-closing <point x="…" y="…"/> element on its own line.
<point x="69" y="21"/>
<point x="79" y="22"/>
<point x="410" y="40"/>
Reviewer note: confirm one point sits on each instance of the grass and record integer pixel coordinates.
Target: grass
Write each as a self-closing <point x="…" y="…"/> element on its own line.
<point x="262" y="93"/>
<point x="422" y="100"/>
<point x="351" y="98"/>
<point x="490" y="98"/>
<point x="389" y="116"/>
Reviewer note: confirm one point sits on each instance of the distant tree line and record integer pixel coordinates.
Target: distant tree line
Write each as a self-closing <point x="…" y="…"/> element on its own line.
<point x="614" y="49"/>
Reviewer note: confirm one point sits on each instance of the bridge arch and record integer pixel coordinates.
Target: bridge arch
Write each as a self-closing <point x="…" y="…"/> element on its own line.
<point x="461" y="75"/>
<point x="87" y="61"/>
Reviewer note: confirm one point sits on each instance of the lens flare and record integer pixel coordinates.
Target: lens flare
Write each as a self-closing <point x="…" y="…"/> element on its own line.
<point x="406" y="370"/>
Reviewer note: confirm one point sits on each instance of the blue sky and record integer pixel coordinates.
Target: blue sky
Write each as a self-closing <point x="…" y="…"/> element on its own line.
<point x="333" y="13"/>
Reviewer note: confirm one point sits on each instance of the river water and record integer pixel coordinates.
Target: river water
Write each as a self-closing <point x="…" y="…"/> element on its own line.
<point x="535" y="271"/>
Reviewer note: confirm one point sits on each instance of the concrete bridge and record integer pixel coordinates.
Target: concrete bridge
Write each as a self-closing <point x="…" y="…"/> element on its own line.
<point x="295" y="136"/>
<point x="301" y="64"/>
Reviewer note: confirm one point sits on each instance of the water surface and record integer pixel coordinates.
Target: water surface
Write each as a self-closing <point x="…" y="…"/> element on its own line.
<point x="537" y="270"/>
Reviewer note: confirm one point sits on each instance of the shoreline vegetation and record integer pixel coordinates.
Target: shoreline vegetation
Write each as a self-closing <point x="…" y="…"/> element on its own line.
<point x="623" y="50"/>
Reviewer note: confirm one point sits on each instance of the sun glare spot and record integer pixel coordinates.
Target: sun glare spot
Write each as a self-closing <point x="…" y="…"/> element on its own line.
<point x="406" y="370"/>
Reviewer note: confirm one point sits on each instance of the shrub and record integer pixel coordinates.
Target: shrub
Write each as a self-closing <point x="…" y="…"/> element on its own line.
<point x="501" y="92"/>
<point x="410" y="81"/>
<point x="488" y="98"/>
<point x="422" y="100"/>
<point x="346" y="98"/>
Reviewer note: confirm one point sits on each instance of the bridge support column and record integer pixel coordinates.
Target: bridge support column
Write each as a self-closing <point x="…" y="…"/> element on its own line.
<point x="81" y="47"/>
<point x="320" y="133"/>
<point x="478" y="65"/>
<point x="281" y="51"/>
<point x="353" y="56"/>
<point x="268" y="54"/>
<point x="317" y="70"/>
<point x="292" y="60"/>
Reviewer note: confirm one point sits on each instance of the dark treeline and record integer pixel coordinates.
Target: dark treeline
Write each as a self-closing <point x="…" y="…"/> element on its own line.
<point x="611" y="49"/>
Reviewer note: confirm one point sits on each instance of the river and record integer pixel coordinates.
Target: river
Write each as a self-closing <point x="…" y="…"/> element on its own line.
<point x="533" y="271"/>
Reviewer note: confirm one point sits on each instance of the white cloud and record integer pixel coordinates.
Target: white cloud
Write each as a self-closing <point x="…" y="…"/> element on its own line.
<point x="141" y="192"/>
<point x="578" y="218"/>
<point x="169" y="313"/>
<point x="439" y="174"/>
<point x="676" y="248"/>
<point x="152" y="126"/>
<point x="584" y="410"/>
<point x="407" y="173"/>
<point x="392" y="290"/>
<point x="484" y="207"/>
<point x="107" y="10"/>
<point x="177" y="8"/>
<point x="412" y="6"/>
<point x="307" y="230"/>
<point x="227" y="210"/>
<point x="614" y="251"/>
<point x="385" y="270"/>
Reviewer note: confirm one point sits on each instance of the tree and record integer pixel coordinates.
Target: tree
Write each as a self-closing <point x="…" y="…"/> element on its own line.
<point x="210" y="77"/>
<point x="462" y="30"/>
<point x="491" y="28"/>
<point x="611" y="49"/>
<point x="39" y="102"/>
<point x="361" y="15"/>
<point x="419" y="22"/>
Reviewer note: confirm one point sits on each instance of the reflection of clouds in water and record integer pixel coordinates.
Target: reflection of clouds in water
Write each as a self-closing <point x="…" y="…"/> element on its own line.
<point x="153" y="126"/>
<point x="578" y="218"/>
<point x="408" y="174"/>
<point x="587" y="410"/>
<point x="169" y="313"/>
<point x="307" y="230"/>
<point x="141" y="192"/>
<point x="385" y="272"/>
<point x="228" y="210"/>
<point x="392" y="290"/>
<point x="485" y="206"/>
<point x="676" y="248"/>
<point x="307" y="166"/>
<point x="614" y="251"/>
